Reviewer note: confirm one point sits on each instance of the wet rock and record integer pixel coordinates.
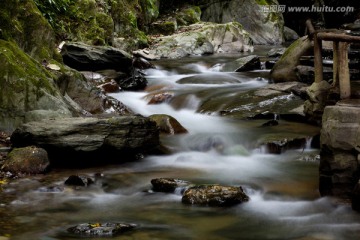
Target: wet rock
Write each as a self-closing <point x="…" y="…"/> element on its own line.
<point x="168" y="184"/>
<point x="167" y="124"/>
<point x="248" y="63"/>
<point x="90" y="140"/>
<point x="136" y="81"/>
<point x="214" y="195"/>
<point x="101" y="229"/>
<point x="32" y="160"/>
<point x="84" y="57"/>
<point x="161" y="98"/>
<point x="81" y="181"/>
<point x="142" y="63"/>
<point x="280" y="146"/>
<point x="110" y="87"/>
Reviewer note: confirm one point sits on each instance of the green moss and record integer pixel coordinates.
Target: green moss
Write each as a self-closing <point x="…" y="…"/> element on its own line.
<point x="22" y="23"/>
<point x="266" y="2"/>
<point x="21" y="78"/>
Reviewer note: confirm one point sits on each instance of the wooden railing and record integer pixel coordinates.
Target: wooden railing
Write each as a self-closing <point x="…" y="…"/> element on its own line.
<point x="341" y="41"/>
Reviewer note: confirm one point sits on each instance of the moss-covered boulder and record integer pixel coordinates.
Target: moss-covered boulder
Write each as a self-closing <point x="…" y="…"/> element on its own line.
<point x="188" y="15"/>
<point x="29" y="160"/>
<point x="25" y="86"/>
<point x="22" y="23"/>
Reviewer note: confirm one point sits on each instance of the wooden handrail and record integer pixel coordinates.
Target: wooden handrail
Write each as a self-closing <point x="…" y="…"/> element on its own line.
<point x="341" y="41"/>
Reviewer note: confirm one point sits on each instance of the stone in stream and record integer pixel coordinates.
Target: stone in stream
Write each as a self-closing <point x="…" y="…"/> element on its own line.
<point x="101" y="229"/>
<point x="86" y="141"/>
<point x="168" y="185"/>
<point x="81" y="181"/>
<point x="214" y="195"/>
<point x="167" y="124"/>
<point x="28" y="160"/>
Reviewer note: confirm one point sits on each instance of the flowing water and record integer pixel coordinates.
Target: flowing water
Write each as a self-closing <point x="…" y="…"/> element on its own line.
<point x="283" y="188"/>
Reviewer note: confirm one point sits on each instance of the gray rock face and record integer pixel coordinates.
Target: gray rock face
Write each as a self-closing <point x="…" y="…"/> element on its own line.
<point x="84" y="57"/>
<point x="263" y="27"/>
<point x="82" y="140"/>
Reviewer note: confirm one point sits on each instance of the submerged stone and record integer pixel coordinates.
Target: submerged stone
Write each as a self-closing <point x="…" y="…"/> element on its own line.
<point x="101" y="229"/>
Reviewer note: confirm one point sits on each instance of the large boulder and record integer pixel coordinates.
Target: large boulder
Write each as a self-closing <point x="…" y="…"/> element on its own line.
<point x="89" y="140"/>
<point x="264" y="27"/>
<point x="84" y="57"/>
<point x="26" y="86"/>
<point x="201" y="39"/>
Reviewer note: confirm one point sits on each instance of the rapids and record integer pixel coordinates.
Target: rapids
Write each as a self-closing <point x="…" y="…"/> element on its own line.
<point x="284" y="199"/>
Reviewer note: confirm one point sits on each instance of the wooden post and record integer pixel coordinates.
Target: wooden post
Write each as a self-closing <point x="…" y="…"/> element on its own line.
<point x="318" y="59"/>
<point x="335" y="64"/>
<point x="344" y="74"/>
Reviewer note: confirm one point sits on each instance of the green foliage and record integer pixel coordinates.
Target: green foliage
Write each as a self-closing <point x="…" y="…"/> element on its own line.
<point x="50" y="8"/>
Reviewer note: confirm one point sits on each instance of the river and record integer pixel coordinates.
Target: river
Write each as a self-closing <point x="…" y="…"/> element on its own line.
<point x="283" y="188"/>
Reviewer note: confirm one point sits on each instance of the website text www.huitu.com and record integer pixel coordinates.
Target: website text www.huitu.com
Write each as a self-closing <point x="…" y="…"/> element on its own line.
<point x="315" y="9"/>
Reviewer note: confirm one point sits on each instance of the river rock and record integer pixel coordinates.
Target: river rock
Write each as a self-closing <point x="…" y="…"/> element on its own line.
<point x="110" y="87"/>
<point x="160" y="97"/>
<point x="248" y="63"/>
<point x="101" y="229"/>
<point x="84" y="57"/>
<point x="167" y="124"/>
<point x="136" y="81"/>
<point x="168" y="184"/>
<point x="80" y="181"/>
<point x="214" y="195"/>
<point x="276" y="52"/>
<point x="72" y="141"/>
<point x="31" y="160"/>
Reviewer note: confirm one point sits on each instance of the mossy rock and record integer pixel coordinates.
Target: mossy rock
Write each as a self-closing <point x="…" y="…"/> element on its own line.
<point x="25" y="85"/>
<point x="22" y="23"/>
<point x="188" y="15"/>
<point x="31" y="160"/>
<point x="164" y="27"/>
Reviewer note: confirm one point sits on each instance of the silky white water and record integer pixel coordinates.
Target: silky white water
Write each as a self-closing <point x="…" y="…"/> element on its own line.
<point x="283" y="188"/>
